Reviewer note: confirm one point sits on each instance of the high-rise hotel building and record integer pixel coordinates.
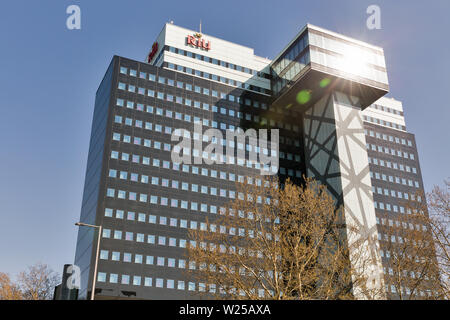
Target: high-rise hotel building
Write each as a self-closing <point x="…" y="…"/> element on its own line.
<point x="323" y="92"/>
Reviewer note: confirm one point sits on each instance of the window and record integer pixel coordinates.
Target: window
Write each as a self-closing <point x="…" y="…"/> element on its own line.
<point x="162" y="240"/>
<point x="110" y="192"/>
<point x="115" y="256"/>
<point x="127" y="257"/>
<point x="148" y="282"/>
<point x="159" y="283"/>
<point x="119" y="214"/>
<point x="113" y="278"/>
<point x="120" y="102"/>
<point x="104" y="254"/>
<point x="108" y="212"/>
<point x="106" y="233"/>
<point x="101" y="277"/>
<point x="136" y="281"/>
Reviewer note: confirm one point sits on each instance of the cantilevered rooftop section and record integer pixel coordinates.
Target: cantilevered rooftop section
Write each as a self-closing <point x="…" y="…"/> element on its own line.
<point x="317" y="61"/>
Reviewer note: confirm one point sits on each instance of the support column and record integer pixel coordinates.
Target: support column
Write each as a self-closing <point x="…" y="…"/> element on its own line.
<point x="336" y="155"/>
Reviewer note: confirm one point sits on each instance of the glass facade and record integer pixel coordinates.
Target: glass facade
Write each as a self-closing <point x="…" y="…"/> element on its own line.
<point x="92" y="184"/>
<point x="146" y="203"/>
<point x="290" y="64"/>
<point x="329" y="53"/>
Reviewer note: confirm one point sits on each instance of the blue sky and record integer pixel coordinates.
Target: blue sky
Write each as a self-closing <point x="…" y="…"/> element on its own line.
<point x="49" y="75"/>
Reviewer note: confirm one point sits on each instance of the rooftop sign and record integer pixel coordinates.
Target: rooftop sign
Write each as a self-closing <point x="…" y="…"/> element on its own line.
<point x="197" y="41"/>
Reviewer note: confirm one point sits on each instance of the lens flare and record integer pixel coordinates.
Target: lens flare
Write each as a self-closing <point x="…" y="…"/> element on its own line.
<point x="324" y="82"/>
<point x="303" y="96"/>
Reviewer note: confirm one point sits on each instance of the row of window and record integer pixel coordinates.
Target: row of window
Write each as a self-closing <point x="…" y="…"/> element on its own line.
<point x="394" y="194"/>
<point x="391" y="208"/>
<point x="393" y="239"/>
<point x="404" y="225"/>
<point x="151" y="239"/>
<point x="162" y="220"/>
<point x="183" y="243"/>
<point x="139" y="259"/>
<point x="386" y="109"/>
<point x="384" y="123"/>
<point x="142" y="178"/>
<point x="392" y="165"/>
<point x="173" y="222"/>
<point x="188" y="87"/>
<point x="390" y="271"/>
<point x="390" y="151"/>
<point x="137" y="280"/>
<point x="174" y="203"/>
<point x="163" y="201"/>
<point x="150" y="260"/>
<point x="143" y="75"/>
<point x="394" y="179"/>
<point x="423" y="293"/>
<point x="217" y="62"/>
<point x="206" y="122"/>
<point x="387" y="137"/>
<point x="214" y="77"/>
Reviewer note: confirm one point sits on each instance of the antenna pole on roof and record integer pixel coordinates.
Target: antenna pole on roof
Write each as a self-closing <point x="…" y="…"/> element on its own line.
<point x="200" y="31"/>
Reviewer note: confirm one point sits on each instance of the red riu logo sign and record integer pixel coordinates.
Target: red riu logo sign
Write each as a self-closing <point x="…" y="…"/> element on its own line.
<point x="197" y="41"/>
<point x="153" y="52"/>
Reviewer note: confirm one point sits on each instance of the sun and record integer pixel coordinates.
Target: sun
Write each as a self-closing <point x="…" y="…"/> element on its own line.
<point x="353" y="61"/>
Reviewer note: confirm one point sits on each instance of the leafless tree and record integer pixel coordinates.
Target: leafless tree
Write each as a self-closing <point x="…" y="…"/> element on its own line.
<point x="416" y="246"/>
<point x="278" y="242"/>
<point x="408" y="248"/>
<point x="38" y="282"/>
<point x="439" y="223"/>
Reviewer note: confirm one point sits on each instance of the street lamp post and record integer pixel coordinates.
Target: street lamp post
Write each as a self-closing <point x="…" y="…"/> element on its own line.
<point x="81" y="224"/>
